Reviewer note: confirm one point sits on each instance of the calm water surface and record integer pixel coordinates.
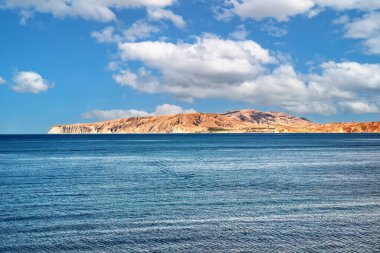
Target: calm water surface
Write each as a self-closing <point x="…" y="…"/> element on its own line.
<point x="190" y="193"/>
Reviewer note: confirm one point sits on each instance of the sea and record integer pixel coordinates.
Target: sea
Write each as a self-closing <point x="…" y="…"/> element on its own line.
<point x="190" y="193"/>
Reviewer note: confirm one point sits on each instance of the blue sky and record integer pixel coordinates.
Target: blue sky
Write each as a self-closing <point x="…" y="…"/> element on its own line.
<point x="74" y="61"/>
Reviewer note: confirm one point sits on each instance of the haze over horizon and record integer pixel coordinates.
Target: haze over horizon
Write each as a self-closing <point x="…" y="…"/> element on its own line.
<point x="70" y="61"/>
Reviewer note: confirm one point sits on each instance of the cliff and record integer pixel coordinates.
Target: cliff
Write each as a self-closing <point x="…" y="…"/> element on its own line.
<point x="240" y="121"/>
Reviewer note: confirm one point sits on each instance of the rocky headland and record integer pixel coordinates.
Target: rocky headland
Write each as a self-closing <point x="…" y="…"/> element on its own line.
<point x="239" y="121"/>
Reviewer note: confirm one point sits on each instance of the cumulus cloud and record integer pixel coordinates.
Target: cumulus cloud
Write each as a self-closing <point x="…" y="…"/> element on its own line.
<point x="29" y="82"/>
<point x="364" y="5"/>
<point x="138" y="30"/>
<point x="158" y="14"/>
<point x="208" y="61"/>
<point x="164" y="109"/>
<point x="143" y="80"/>
<point x="98" y="10"/>
<point x="349" y="76"/>
<point x="104" y="36"/>
<point x="282" y="10"/>
<point x="366" y="28"/>
<point x="212" y="67"/>
<point x="360" y="107"/>
<point x="168" y="109"/>
<point x="222" y="14"/>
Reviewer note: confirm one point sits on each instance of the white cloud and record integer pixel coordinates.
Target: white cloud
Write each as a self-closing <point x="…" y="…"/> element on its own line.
<point x="346" y="85"/>
<point x="350" y="86"/>
<point x="29" y="82"/>
<point x="2" y="80"/>
<point x="99" y="10"/>
<point x="360" y="107"/>
<point x="318" y="107"/>
<point x="366" y="28"/>
<point x="164" y="109"/>
<point x="209" y="61"/>
<point x="282" y="84"/>
<point x="158" y="14"/>
<point x="168" y="109"/>
<point x="280" y="10"/>
<point x="222" y="14"/>
<point x="113" y="114"/>
<point x="244" y="71"/>
<point x="105" y="36"/>
<point x="139" y="30"/>
<point x="340" y="5"/>
<point x="143" y="80"/>
<point x="240" y="33"/>
<point x="349" y="76"/>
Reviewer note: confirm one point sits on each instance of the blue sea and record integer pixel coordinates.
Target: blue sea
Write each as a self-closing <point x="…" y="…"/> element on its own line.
<point x="190" y="193"/>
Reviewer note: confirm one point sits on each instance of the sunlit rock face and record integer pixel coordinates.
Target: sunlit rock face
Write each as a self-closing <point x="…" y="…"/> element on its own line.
<point x="258" y="117"/>
<point x="240" y="121"/>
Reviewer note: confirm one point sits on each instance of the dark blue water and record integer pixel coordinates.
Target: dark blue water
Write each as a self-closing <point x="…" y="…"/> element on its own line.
<point x="190" y="193"/>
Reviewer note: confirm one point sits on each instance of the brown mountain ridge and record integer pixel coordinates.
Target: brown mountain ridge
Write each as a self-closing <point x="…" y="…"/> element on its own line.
<point x="239" y="121"/>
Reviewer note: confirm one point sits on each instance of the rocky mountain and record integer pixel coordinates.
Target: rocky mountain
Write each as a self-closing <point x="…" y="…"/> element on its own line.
<point x="258" y="117"/>
<point x="239" y="121"/>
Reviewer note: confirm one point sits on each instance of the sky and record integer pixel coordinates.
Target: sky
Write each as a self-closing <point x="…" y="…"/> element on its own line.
<point x="70" y="61"/>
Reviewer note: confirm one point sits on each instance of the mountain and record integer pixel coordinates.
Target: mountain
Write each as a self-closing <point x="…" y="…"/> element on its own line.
<point x="239" y="121"/>
<point x="258" y="117"/>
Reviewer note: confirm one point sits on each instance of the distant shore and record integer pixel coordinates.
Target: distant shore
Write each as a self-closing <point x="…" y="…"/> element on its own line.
<point x="239" y="121"/>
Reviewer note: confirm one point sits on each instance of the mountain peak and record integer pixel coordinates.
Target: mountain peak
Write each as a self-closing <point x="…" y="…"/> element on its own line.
<point x="259" y="117"/>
